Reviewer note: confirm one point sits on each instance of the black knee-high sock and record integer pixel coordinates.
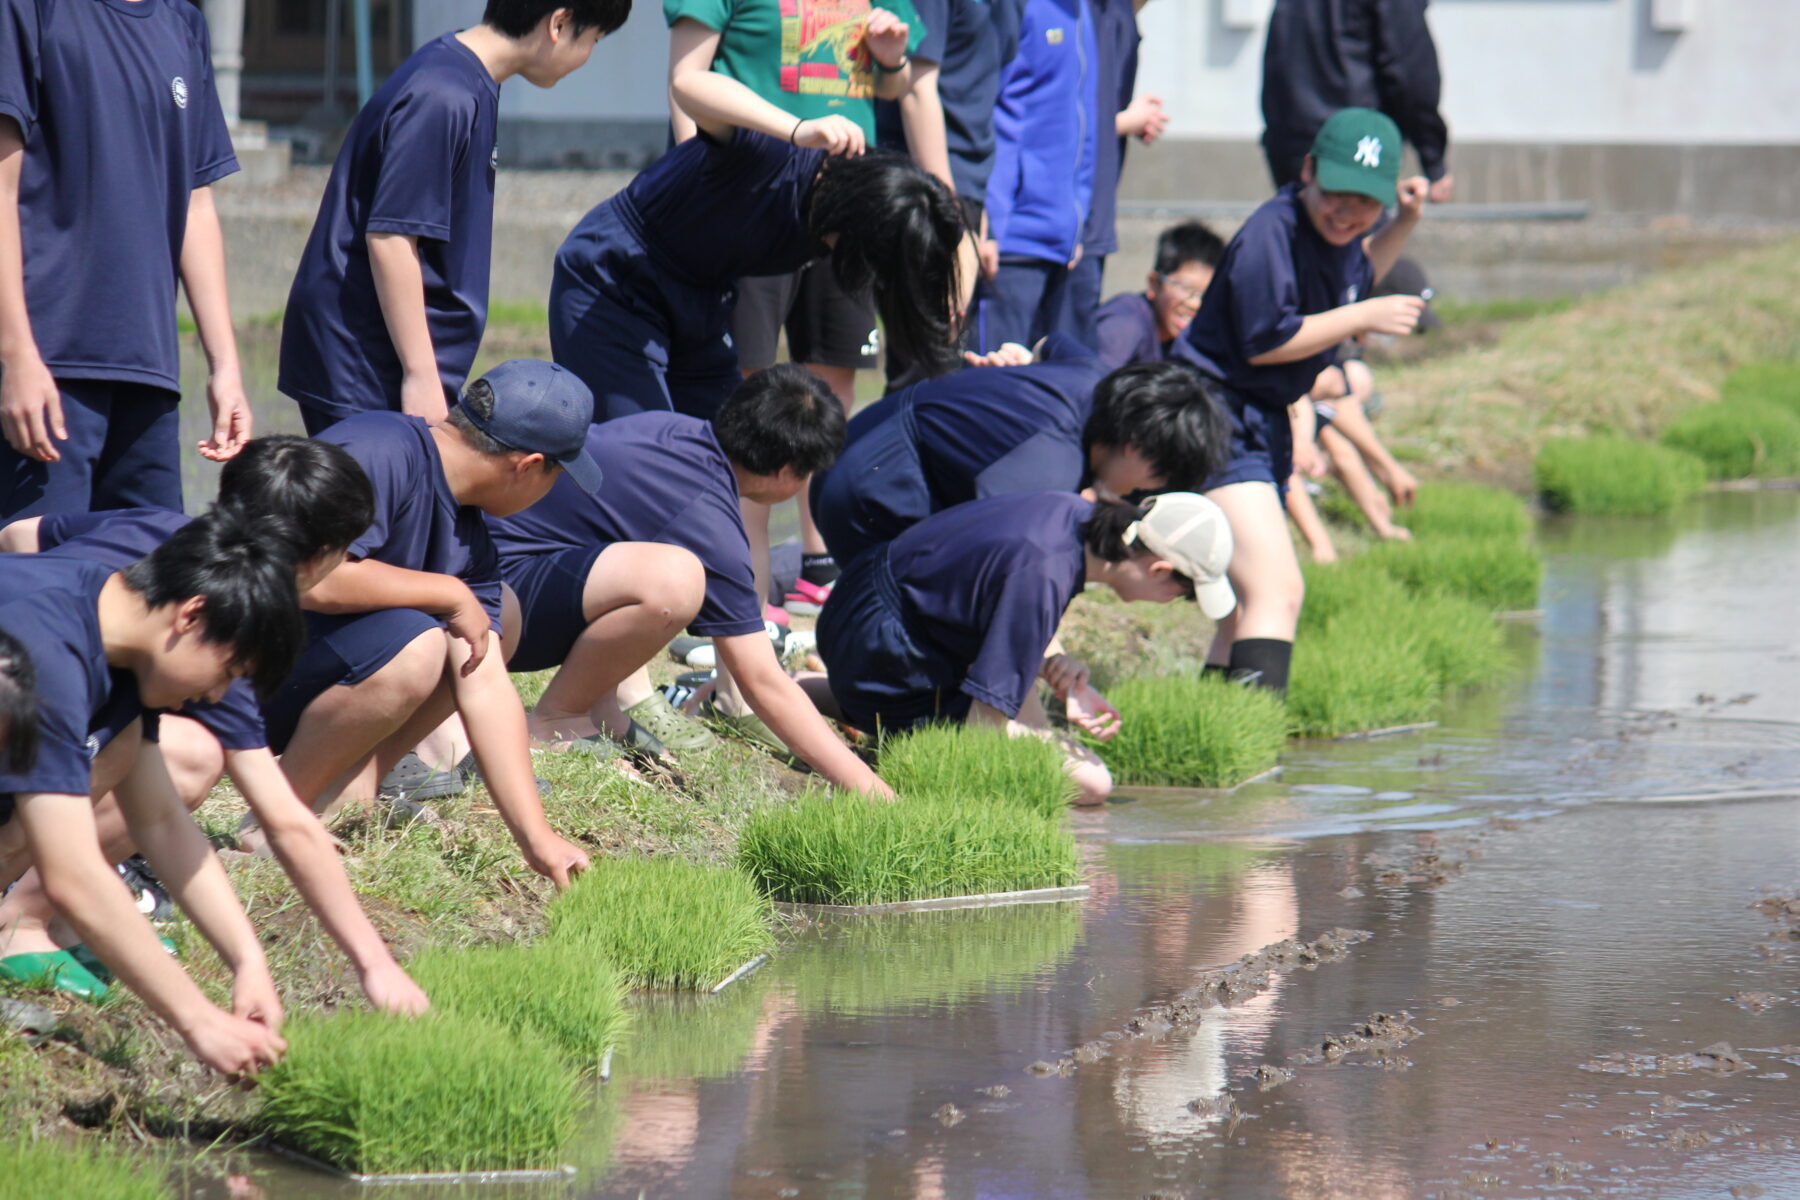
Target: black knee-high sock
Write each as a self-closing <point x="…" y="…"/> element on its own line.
<point x="1261" y="662"/>
<point x="818" y="569"/>
<point x="1218" y="669"/>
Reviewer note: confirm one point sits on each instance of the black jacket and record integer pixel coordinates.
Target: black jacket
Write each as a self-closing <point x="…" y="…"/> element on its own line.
<point x="1323" y="55"/>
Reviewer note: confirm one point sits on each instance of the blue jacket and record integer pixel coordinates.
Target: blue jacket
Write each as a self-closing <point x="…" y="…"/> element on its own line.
<point x="1045" y="123"/>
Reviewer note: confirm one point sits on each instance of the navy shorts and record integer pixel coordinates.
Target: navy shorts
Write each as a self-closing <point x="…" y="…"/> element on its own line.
<point x="875" y="491"/>
<point x="123" y="451"/>
<point x="642" y="339"/>
<point x="825" y="325"/>
<point x="1262" y="444"/>
<point x="1027" y="299"/>
<point x="549" y="588"/>
<point x="883" y="678"/>
<point x="340" y="650"/>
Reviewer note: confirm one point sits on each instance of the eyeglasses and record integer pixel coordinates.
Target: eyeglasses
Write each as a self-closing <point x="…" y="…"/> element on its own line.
<point x="1180" y="288"/>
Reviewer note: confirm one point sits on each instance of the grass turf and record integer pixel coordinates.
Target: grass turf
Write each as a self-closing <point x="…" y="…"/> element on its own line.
<point x="1345" y="681"/>
<point x="1767" y="382"/>
<point x="834" y="849"/>
<point x="562" y="991"/>
<point x="1739" y="440"/>
<point x="664" y="922"/>
<point x="1500" y="573"/>
<point x="383" y="1095"/>
<point x="54" y="1170"/>
<point x="1448" y="507"/>
<point x="1615" y="476"/>
<point x="1193" y="731"/>
<point x="978" y="766"/>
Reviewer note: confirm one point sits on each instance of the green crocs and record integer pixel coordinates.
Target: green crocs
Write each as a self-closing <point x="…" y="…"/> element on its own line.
<point x="53" y="971"/>
<point x="91" y="963"/>
<point x="677" y="733"/>
<point x="752" y="728"/>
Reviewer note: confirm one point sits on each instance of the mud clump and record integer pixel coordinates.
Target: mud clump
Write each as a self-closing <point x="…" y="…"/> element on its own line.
<point x="1718" y="1059"/>
<point x="998" y="1091"/>
<point x="1092" y="1052"/>
<point x="1267" y="1076"/>
<point x="1687" y="1138"/>
<point x="1756" y="1002"/>
<point x="949" y="1116"/>
<point x="1562" y="1172"/>
<point x="1209" y="1108"/>
<point x="1377" y="1039"/>
<point x="1434" y="862"/>
<point x="1041" y="1069"/>
<point x="1748" y="1191"/>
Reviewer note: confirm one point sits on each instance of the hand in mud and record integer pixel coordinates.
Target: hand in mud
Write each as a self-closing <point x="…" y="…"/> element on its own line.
<point x="1090" y="712"/>
<point x="556" y="859"/>
<point x="391" y="990"/>
<point x="1064" y="673"/>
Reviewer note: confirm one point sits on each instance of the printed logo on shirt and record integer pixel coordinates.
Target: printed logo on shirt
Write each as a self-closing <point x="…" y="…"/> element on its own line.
<point x="872" y="347"/>
<point x="1368" y="152"/>
<point x="1350" y="294"/>
<point x="1053" y="36"/>
<point x="178" y="89"/>
<point x="92" y="746"/>
<point x="822" y="49"/>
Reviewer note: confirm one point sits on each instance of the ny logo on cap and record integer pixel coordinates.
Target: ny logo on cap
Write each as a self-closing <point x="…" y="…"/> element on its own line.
<point x="1368" y="152"/>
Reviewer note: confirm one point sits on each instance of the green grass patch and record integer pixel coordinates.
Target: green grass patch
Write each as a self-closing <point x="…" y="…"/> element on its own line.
<point x="1450" y="508"/>
<point x="1455" y="312"/>
<point x="1615" y="476"/>
<point x="977" y="765"/>
<point x="1348" y="585"/>
<point x="834" y="849"/>
<point x="1739" y="440"/>
<point x="664" y="922"/>
<point x="54" y="1170"/>
<point x="1193" y="731"/>
<point x="383" y="1095"/>
<point x="1501" y="574"/>
<point x="561" y="991"/>
<point x="519" y="316"/>
<point x="1456" y="639"/>
<point x="1348" y="682"/>
<point x="1775" y="383"/>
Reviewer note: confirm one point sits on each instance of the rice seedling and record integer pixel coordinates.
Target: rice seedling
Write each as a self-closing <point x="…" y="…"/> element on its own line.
<point x="978" y="766"/>
<point x="1458" y="640"/>
<point x="879" y="963"/>
<point x="447" y="1092"/>
<point x="1738" y="440"/>
<point x="55" y="1170"/>
<point x="835" y="849"/>
<point x="1615" y="476"/>
<point x="664" y="922"/>
<point x="1193" y="731"/>
<point x="1453" y="508"/>
<point x="1500" y="573"/>
<point x="1348" y="585"/>
<point x="562" y="991"/>
<point x="1775" y="383"/>
<point x="1346" y="682"/>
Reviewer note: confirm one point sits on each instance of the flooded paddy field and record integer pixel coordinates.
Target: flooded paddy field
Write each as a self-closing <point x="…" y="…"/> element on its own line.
<point x="1543" y="949"/>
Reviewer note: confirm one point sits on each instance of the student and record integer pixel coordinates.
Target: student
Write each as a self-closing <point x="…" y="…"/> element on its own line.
<point x="1355" y="453"/>
<point x="1290" y="288"/>
<point x="1055" y="425"/>
<point x="18" y="710"/>
<point x="604" y="580"/>
<point x="111" y="137"/>
<point x="1141" y="326"/>
<point x="214" y="602"/>
<point x="951" y="620"/>
<point x="1042" y="186"/>
<point x="319" y="491"/>
<point x="389" y="303"/>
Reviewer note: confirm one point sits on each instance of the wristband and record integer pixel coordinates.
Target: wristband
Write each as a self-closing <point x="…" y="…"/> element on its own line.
<point x="795" y="131"/>
<point x="893" y="70"/>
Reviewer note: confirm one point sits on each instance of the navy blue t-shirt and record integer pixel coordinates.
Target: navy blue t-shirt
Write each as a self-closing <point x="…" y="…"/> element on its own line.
<point x="990" y="431"/>
<point x="667" y="481"/>
<point x="715" y="212"/>
<point x="1126" y="326"/>
<point x="1276" y="272"/>
<point x="1116" y="36"/>
<point x="51" y="606"/>
<point x="419" y="160"/>
<point x="418" y="523"/>
<point x="986" y="583"/>
<point x="115" y="540"/>
<point x="115" y="99"/>
<point x="968" y="40"/>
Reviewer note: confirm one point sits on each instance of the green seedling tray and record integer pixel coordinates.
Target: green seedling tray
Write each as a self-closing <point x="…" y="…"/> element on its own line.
<point x="550" y="1175"/>
<point x="1052" y="895"/>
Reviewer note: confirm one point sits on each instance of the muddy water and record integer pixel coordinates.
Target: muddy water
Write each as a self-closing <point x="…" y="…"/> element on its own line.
<point x="1556" y="887"/>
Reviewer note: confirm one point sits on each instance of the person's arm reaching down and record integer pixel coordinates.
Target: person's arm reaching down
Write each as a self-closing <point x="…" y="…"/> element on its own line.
<point x="203" y="277"/>
<point x="31" y="414"/>
<point x="400" y="289"/>
<point x="773" y="695"/>
<point x="922" y="116"/>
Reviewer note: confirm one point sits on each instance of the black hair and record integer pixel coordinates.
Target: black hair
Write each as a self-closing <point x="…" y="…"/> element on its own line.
<point x="316" y="485"/>
<point x="242" y="568"/>
<point x="1103" y="536"/>
<point x="517" y="18"/>
<point x="478" y="398"/>
<point x="1190" y="241"/>
<point x="1169" y="413"/>
<point x="18" y="707"/>
<point x="783" y="416"/>
<point x="898" y="229"/>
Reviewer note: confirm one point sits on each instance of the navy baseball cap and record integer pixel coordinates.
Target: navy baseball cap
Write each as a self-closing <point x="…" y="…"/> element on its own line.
<point x="541" y="408"/>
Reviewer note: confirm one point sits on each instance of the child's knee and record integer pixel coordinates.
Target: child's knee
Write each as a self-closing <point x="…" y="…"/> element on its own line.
<point x="677" y="587"/>
<point x="194" y="757"/>
<point x="1093" y="782"/>
<point x="412" y="675"/>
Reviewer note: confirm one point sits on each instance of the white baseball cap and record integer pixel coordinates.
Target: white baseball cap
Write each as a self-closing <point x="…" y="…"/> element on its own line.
<point x="1190" y="532"/>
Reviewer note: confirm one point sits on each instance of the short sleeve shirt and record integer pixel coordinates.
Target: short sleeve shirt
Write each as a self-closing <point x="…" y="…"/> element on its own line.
<point x="116" y="103"/>
<point x="964" y="39"/>
<point x="419" y="160"/>
<point x="52" y="609"/>
<point x="418" y="523"/>
<point x="988" y="431"/>
<point x="1276" y="272"/>
<point x="806" y="57"/>
<point x="667" y="481"/>
<point x="118" y="538"/>
<point x="1126" y="326"/>
<point x="986" y="583"/>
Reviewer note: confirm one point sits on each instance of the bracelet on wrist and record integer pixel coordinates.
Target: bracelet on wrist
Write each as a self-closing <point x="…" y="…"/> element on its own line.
<point x="893" y="70"/>
<point x="795" y="131"/>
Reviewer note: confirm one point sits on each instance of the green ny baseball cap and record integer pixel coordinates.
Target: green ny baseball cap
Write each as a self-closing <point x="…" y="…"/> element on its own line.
<point x="1358" y="150"/>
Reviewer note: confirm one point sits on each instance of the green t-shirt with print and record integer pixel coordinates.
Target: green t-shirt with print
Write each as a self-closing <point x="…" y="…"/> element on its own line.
<point x="807" y="57"/>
